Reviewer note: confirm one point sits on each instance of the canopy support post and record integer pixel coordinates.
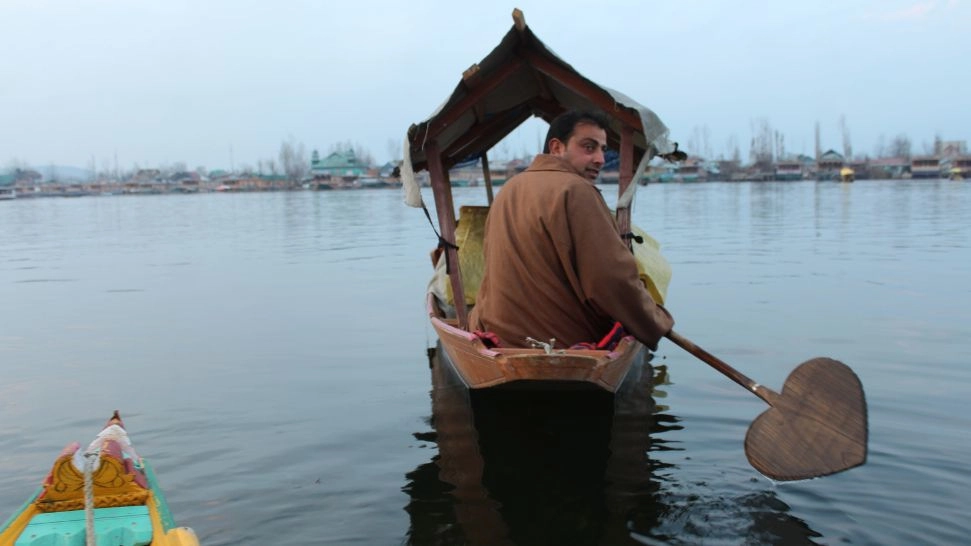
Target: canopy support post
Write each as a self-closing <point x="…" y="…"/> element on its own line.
<point x="445" y="209"/>
<point x="625" y="177"/>
<point x="487" y="175"/>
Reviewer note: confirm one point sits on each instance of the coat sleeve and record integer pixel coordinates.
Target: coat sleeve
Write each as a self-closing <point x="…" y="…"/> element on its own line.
<point x="607" y="271"/>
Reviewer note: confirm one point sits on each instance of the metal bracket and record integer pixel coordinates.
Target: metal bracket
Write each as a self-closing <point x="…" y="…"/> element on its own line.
<point x="537" y="344"/>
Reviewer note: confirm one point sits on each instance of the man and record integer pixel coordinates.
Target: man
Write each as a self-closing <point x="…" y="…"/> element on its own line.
<point x="555" y="264"/>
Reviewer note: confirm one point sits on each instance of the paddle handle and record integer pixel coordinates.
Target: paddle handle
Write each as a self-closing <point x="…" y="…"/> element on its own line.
<point x="761" y="391"/>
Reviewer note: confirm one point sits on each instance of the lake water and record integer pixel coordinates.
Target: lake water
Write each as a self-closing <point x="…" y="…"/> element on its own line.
<point x="268" y="354"/>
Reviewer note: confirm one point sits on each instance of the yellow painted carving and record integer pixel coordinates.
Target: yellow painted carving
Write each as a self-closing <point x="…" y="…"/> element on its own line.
<point x="113" y="486"/>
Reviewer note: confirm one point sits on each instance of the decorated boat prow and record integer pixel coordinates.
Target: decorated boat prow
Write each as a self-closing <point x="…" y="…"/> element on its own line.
<point x="105" y="494"/>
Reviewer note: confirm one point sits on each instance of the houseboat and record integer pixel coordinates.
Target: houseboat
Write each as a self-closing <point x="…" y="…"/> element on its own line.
<point x="956" y="168"/>
<point x="690" y="171"/>
<point x="788" y="170"/>
<point x="828" y="166"/>
<point x="925" y="167"/>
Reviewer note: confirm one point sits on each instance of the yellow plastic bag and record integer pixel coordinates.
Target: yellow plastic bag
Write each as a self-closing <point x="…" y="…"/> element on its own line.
<point x="654" y="270"/>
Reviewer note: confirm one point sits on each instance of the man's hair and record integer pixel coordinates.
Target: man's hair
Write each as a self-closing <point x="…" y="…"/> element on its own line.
<point x="561" y="128"/>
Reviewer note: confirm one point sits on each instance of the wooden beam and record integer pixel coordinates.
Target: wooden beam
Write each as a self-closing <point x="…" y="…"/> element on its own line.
<point x="445" y="209"/>
<point x="482" y="135"/>
<point x="577" y="84"/>
<point x="549" y="108"/>
<point x="544" y="88"/>
<point x="470" y="73"/>
<point x="625" y="177"/>
<point x="488" y="84"/>
<point x="487" y="175"/>
<point x="518" y="20"/>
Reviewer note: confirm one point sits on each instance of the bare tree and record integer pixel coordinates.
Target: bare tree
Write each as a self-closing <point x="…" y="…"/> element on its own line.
<point x="16" y="164"/>
<point x="694" y="141"/>
<point x="293" y="160"/>
<point x="699" y="143"/>
<point x="106" y="172"/>
<point x="762" y="139"/>
<point x="364" y="155"/>
<point x="733" y="149"/>
<point x="880" y="149"/>
<point x="847" y="147"/>
<point x="900" y="147"/>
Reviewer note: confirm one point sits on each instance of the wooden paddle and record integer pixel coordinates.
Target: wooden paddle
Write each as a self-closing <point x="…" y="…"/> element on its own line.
<point x="816" y="427"/>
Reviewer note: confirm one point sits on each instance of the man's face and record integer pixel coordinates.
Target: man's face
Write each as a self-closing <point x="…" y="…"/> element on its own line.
<point x="584" y="149"/>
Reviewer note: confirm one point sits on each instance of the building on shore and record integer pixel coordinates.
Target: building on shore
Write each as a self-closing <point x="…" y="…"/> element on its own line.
<point x="925" y="166"/>
<point x="888" y="168"/>
<point x="860" y="168"/>
<point x="789" y="169"/>
<point x="828" y="165"/>
<point x="340" y="169"/>
<point x="7" y="188"/>
<point x="956" y="168"/>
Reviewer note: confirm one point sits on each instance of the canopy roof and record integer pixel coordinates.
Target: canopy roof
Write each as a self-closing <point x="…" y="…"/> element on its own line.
<point x="521" y="78"/>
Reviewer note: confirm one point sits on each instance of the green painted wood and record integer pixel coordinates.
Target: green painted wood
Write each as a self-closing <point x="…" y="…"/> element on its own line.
<point x="121" y="526"/>
<point x="161" y="506"/>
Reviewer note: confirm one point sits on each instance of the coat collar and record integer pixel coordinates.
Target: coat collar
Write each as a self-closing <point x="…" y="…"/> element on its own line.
<point x="548" y="162"/>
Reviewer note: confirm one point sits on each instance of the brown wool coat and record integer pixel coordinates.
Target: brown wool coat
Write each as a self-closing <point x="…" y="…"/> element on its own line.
<point x="556" y="267"/>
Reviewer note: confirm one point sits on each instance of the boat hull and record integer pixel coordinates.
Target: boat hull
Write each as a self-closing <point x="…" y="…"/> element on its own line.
<point x="128" y="505"/>
<point x="480" y="367"/>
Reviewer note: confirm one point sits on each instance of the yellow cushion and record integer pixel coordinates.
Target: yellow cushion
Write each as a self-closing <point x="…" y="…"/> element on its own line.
<point x="469" y="234"/>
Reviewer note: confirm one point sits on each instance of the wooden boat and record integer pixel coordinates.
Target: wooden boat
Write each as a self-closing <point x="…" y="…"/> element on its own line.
<point x="520" y="79"/>
<point x="106" y="493"/>
<point x="495" y="449"/>
<point x="847" y="174"/>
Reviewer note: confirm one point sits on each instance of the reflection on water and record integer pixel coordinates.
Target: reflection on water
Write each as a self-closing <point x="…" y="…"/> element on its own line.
<point x="537" y="468"/>
<point x="258" y="343"/>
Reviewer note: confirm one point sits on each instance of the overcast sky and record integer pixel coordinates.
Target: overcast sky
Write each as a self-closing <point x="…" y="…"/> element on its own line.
<point x="213" y="82"/>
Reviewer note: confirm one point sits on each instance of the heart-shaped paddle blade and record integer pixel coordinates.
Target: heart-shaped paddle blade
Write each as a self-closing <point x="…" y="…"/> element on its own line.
<point x="816" y="427"/>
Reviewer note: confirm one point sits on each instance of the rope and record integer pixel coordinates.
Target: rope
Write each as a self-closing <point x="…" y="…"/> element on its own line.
<point x="89" y="457"/>
<point x="442" y="243"/>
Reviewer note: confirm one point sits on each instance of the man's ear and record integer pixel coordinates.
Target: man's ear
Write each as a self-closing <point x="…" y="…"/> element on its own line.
<point x="557" y="146"/>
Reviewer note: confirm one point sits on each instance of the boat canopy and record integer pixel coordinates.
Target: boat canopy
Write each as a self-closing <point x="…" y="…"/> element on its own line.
<point x="519" y="79"/>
